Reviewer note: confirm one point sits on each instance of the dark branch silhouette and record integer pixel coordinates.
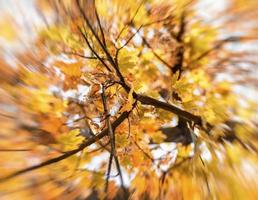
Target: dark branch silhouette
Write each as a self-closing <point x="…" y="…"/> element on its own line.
<point x="68" y="154"/>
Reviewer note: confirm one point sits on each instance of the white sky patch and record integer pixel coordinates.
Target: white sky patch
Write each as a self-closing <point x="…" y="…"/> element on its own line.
<point x="191" y="153"/>
<point x="114" y="109"/>
<point x="162" y="68"/>
<point x="69" y="94"/>
<point x="8" y="108"/>
<point x="80" y="93"/>
<point x="137" y="39"/>
<point x="158" y="153"/>
<point x="83" y="91"/>
<point x="196" y="131"/>
<point x="127" y="178"/>
<point x="122" y="42"/>
<point x="224" y="77"/>
<point x="205" y="8"/>
<point x="87" y="52"/>
<point x="53" y="89"/>
<point x="163" y="30"/>
<point x="197" y="92"/>
<point x="96" y="161"/>
<point x="150" y="34"/>
<point x="251" y="168"/>
<point x="96" y="120"/>
<point x="92" y="146"/>
<point x="247" y="93"/>
<point x="205" y="153"/>
<point x="172" y="123"/>
<point x="26" y="17"/>
<point x="240" y="47"/>
<point x="9" y="58"/>
<point x="66" y="59"/>
<point x="219" y="155"/>
<point x="168" y="146"/>
<point x="70" y="121"/>
<point x="161" y="151"/>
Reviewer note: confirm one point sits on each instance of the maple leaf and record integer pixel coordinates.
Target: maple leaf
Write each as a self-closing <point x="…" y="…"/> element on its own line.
<point x="135" y="100"/>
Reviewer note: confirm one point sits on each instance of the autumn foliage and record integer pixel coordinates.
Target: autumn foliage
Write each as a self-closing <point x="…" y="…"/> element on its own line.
<point x="137" y="99"/>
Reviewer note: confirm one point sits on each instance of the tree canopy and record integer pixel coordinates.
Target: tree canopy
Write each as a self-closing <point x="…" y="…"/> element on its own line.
<point x="136" y="99"/>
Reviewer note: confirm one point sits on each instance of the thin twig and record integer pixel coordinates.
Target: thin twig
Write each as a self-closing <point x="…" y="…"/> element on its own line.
<point x="205" y="176"/>
<point x="100" y="27"/>
<point x="7" y="116"/>
<point x="108" y="171"/>
<point x="93" y="51"/>
<point x="90" y="130"/>
<point x="145" y="153"/>
<point x="155" y="54"/>
<point x="129" y="127"/>
<point x="131" y="21"/>
<point x="174" y="166"/>
<point x="80" y="55"/>
<point x="143" y="99"/>
<point x="112" y="141"/>
<point x="95" y="35"/>
<point x="68" y="154"/>
<point x="216" y="47"/>
<point x="130" y="38"/>
<point x="14" y="150"/>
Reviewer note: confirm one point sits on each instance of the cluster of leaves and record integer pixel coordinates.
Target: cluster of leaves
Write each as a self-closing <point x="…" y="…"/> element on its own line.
<point x="118" y="100"/>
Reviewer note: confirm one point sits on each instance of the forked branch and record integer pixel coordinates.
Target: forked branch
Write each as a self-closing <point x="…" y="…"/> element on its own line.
<point x="68" y="154"/>
<point x="112" y="142"/>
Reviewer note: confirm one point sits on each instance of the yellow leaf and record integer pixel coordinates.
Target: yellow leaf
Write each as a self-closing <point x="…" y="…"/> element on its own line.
<point x="70" y="69"/>
<point x="71" y="140"/>
<point x="129" y="102"/>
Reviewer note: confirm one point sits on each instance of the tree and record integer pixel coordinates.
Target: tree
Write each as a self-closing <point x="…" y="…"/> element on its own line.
<point x="120" y="100"/>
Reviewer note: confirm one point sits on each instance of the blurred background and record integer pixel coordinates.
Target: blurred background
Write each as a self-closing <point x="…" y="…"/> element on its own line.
<point x="44" y="95"/>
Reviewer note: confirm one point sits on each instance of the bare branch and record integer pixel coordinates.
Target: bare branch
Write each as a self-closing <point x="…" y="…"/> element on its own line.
<point x="94" y="52"/>
<point x="100" y="27"/>
<point x="108" y="171"/>
<point x="129" y="127"/>
<point x="14" y="150"/>
<point x="182" y="27"/>
<point x="172" y="167"/>
<point x="145" y="153"/>
<point x="143" y="99"/>
<point x="131" y="21"/>
<point x="154" y="53"/>
<point x="68" y="154"/>
<point x="95" y="35"/>
<point x="7" y="116"/>
<point x="82" y="56"/>
<point x="90" y="130"/>
<point x="220" y="44"/>
<point x="130" y="38"/>
<point x="165" y="106"/>
<point x="112" y="141"/>
<point x="110" y="130"/>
